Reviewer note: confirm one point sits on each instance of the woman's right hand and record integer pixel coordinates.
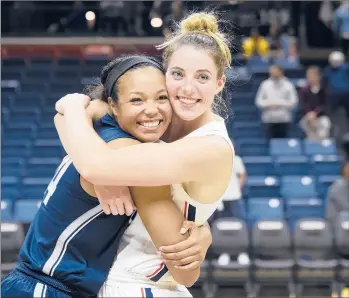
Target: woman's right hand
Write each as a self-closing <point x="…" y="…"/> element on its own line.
<point x="72" y="100"/>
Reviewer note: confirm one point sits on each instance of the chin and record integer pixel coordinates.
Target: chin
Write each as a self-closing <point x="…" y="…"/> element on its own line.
<point x="149" y="138"/>
<point x="187" y="115"/>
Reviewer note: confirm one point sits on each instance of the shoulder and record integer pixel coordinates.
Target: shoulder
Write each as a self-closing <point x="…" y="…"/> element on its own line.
<point x="305" y="89"/>
<point x="265" y="83"/>
<point x="108" y="129"/>
<point x="288" y="83"/>
<point x="210" y="155"/>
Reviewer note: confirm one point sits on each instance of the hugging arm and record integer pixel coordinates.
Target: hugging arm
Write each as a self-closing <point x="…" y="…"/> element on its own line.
<point x="148" y="164"/>
<point x="163" y="221"/>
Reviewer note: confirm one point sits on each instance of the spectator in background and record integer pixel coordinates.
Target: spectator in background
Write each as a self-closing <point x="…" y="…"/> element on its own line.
<point x="122" y="17"/>
<point x="276" y="98"/>
<point x="177" y="13"/>
<point x="341" y="26"/>
<point x="232" y="201"/>
<point x="314" y="122"/>
<point x="338" y="195"/>
<point x="274" y="38"/>
<point x="336" y="84"/>
<point x="255" y="45"/>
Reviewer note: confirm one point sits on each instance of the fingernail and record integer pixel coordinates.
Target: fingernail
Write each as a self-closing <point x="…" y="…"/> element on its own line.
<point x="159" y="253"/>
<point x="182" y="231"/>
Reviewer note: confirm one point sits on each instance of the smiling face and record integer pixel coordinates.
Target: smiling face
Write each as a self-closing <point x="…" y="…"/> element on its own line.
<point x="142" y="109"/>
<point x="192" y="82"/>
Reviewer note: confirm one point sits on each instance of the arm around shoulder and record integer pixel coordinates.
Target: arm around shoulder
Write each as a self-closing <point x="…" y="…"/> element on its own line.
<point x="197" y="159"/>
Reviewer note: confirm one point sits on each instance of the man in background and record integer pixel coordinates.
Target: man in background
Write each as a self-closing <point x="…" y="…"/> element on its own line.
<point x="276" y="98"/>
<point x="312" y="100"/>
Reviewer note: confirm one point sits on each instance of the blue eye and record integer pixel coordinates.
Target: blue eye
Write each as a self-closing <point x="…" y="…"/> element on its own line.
<point x="176" y="73"/>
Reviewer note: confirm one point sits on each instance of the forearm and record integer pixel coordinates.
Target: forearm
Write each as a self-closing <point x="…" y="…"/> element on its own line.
<point x="205" y="237"/>
<point x="163" y="221"/>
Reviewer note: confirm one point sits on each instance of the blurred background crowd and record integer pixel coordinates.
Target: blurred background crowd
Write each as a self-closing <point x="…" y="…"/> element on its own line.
<point x="288" y="202"/>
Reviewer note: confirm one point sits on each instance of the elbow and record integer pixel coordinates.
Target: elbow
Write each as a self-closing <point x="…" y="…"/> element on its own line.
<point x="86" y="173"/>
<point x="89" y="172"/>
<point x="188" y="279"/>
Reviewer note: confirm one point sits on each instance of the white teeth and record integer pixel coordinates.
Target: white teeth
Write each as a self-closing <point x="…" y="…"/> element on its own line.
<point x="187" y="100"/>
<point x="150" y="123"/>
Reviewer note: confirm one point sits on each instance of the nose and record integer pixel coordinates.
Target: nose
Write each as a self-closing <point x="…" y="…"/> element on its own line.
<point x="188" y="88"/>
<point x="151" y="109"/>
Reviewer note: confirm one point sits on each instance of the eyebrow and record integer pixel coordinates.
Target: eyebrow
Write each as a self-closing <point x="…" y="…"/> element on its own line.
<point x="199" y="70"/>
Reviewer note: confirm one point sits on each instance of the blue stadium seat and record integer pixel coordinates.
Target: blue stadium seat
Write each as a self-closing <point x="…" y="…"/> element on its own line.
<point x="264" y="209"/>
<point x="34" y="188"/>
<point x="325" y="147"/>
<point x="34" y="87"/>
<point x="38" y="74"/>
<point x="64" y="75"/>
<point x="25" y="115"/>
<point x="292" y="165"/>
<point x="12" y="166"/>
<point x="12" y="74"/>
<point x="244" y="113"/>
<point x="297" y="208"/>
<point x="47" y="148"/>
<point x="283" y="147"/>
<point x="252" y="147"/>
<point x="10" y="87"/>
<point x="324" y="182"/>
<point x="298" y="186"/>
<point x="25" y="210"/>
<point x="22" y="132"/>
<point x="41" y="63"/>
<point x="246" y="97"/>
<point x="5" y="115"/>
<point x="47" y="132"/>
<point x="97" y="63"/>
<point x="259" y="165"/>
<point x="7" y="101"/>
<point x="13" y="62"/>
<point x="14" y="148"/>
<point x="31" y="100"/>
<point x="70" y="62"/>
<point x="6" y="210"/>
<point x="326" y="165"/>
<point x="41" y="167"/>
<point x="247" y="129"/>
<point x="48" y="117"/>
<point x="66" y="87"/>
<point x="262" y="186"/>
<point x="9" y="187"/>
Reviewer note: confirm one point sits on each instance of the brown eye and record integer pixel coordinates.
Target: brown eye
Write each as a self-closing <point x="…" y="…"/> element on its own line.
<point x="136" y="99"/>
<point x="163" y="97"/>
<point x="203" y="77"/>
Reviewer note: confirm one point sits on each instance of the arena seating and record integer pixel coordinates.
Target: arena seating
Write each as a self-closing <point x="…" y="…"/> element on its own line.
<point x="287" y="180"/>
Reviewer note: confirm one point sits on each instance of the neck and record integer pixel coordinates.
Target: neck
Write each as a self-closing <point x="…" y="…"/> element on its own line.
<point x="314" y="85"/>
<point x="180" y="128"/>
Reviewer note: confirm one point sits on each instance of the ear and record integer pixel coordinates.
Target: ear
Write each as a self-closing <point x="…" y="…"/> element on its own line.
<point x="220" y="84"/>
<point x="112" y="106"/>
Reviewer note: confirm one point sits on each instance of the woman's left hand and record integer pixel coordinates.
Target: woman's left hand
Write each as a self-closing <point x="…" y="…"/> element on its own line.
<point x="73" y="99"/>
<point x="190" y="253"/>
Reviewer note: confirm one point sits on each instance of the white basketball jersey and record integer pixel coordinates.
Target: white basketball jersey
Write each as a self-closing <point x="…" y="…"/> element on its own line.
<point x="137" y="259"/>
